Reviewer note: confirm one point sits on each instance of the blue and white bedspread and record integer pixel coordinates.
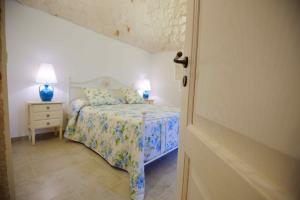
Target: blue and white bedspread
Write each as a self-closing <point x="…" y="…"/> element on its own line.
<point x="120" y="135"/>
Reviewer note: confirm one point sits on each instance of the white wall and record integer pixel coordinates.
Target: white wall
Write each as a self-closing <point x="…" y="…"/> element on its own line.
<point x="166" y="90"/>
<point x="34" y="37"/>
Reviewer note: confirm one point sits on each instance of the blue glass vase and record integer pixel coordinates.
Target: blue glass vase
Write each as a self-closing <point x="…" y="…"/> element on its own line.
<point x="46" y="92"/>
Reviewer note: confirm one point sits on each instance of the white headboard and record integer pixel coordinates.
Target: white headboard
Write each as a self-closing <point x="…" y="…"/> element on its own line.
<point x="76" y="88"/>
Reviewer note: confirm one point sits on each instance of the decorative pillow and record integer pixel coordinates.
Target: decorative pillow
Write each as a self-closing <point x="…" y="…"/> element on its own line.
<point x="132" y="96"/>
<point x="118" y="96"/>
<point x="97" y="96"/>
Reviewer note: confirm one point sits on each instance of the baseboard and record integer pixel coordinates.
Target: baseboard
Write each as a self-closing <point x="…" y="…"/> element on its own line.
<point x="40" y="136"/>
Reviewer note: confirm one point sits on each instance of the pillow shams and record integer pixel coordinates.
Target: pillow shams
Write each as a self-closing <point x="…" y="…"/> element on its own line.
<point x="97" y="96"/>
<point x="132" y="96"/>
<point x="118" y="96"/>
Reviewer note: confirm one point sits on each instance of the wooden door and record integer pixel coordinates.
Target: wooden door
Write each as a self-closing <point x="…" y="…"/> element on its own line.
<point x="234" y="109"/>
<point x="6" y="169"/>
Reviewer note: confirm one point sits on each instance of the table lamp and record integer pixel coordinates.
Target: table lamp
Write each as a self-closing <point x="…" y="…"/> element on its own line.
<point x="45" y="76"/>
<point x="146" y="86"/>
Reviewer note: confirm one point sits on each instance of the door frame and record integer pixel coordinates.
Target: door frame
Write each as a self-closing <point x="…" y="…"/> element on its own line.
<point x="187" y="105"/>
<point x="6" y="169"/>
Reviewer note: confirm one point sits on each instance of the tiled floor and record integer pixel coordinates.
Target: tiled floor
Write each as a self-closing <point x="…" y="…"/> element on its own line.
<point x="63" y="170"/>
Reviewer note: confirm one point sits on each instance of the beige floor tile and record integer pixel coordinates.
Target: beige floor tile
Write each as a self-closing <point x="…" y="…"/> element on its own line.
<point x="63" y="170"/>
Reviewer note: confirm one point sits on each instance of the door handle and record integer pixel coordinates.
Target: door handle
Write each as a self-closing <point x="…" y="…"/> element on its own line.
<point x="184" y="61"/>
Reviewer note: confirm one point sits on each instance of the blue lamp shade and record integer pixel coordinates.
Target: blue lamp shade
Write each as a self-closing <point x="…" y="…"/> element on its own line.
<point x="46" y="76"/>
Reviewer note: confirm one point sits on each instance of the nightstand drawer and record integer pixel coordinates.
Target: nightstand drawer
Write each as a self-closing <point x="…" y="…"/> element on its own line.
<point x="46" y="107"/>
<point x="46" y="123"/>
<point x="46" y="115"/>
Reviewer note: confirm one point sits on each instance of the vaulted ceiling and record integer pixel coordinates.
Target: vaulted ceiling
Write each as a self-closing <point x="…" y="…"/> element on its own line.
<point x="153" y="25"/>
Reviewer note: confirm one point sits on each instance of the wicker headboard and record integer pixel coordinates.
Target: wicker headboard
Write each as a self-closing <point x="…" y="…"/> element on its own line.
<point x="76" y="88"/>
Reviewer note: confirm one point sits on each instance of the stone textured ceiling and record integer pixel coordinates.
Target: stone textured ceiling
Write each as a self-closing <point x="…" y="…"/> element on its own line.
<point x="153" y="25"/>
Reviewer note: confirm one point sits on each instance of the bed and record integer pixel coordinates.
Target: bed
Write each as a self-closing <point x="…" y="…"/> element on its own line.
<point x="128" y="136"/>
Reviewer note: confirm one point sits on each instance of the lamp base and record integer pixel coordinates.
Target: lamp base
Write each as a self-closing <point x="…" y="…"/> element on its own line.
<point x="46" y="92"/>
<point x="146" y="95"/>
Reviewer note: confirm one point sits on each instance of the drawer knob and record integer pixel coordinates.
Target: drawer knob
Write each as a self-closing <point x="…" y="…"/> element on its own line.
<point x="48" y="123"/>
<point x="48" y="107"/>
<point x="47" y="115"/>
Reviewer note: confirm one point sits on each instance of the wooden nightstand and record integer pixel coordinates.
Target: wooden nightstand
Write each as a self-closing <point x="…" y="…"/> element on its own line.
<point x="149" y="101"/>
<point x="44" y="115"/>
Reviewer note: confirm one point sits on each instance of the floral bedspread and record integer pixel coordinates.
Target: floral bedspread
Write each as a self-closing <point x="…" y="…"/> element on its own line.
<point x="116" y="133"/>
